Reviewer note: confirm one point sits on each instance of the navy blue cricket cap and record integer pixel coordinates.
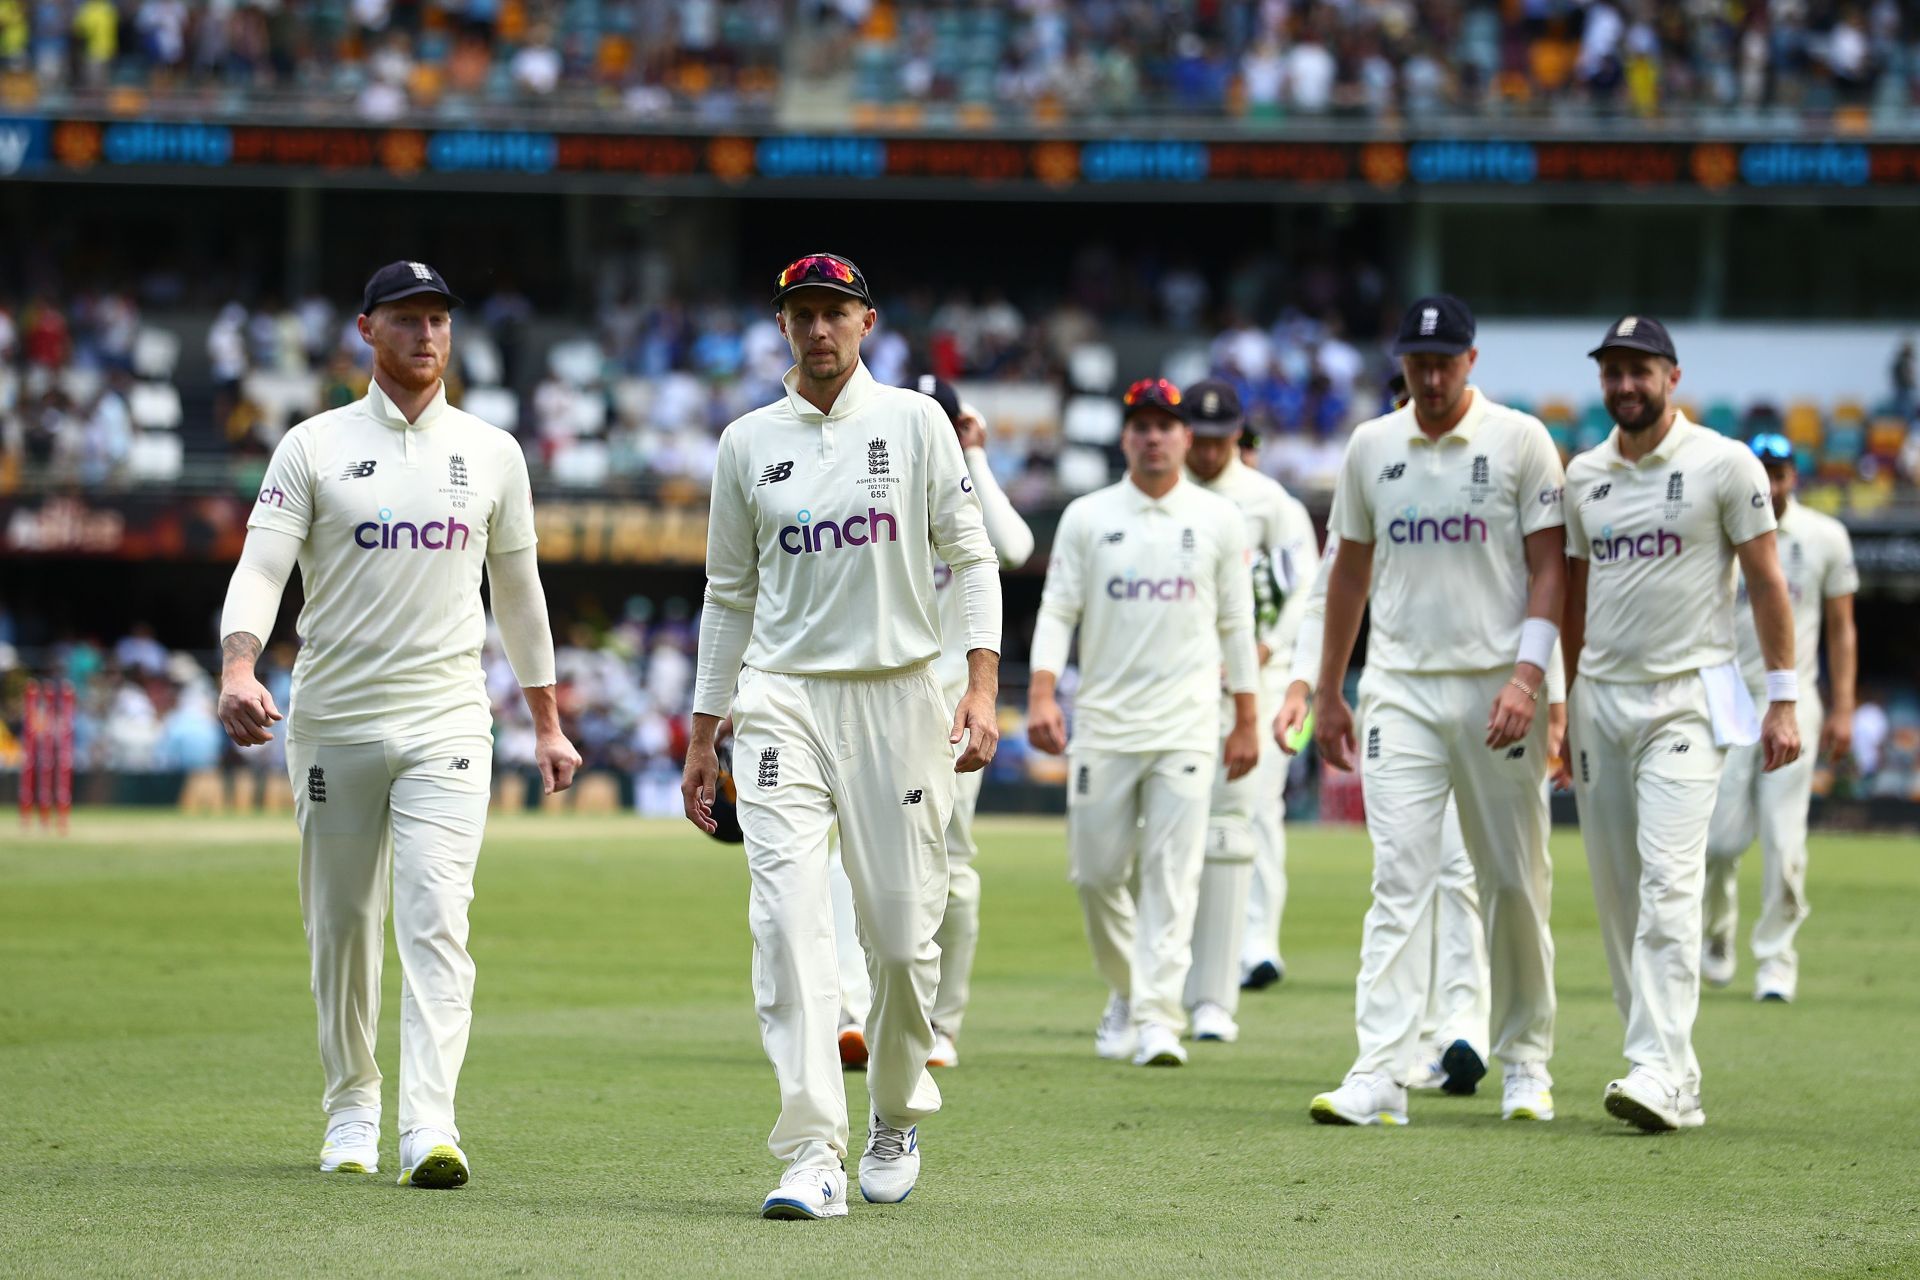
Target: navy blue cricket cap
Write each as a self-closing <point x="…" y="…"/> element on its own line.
<point x="404" y="279"/>
<point x="1438" y="323"/>
<point x="929" y="384"/>
<point x="1213" y="408"/>
<point x="1638" y="333"/>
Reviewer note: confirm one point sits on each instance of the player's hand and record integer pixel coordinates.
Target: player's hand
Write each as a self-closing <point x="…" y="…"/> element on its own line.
<point x="1512" y="716"/>
<point x="1780" y="735"/>
<point x="1333" y="730"/>
<point x="971" y="429"/>
<point x="246" y="710"/>
<point x="698" y="784"/>
<point x="1046" y="726"/>
<point x="1836" y="735"/>
<point x="1242" y="750"/>
<point x="558" y="762"/>
<point x="1293" y="714"/>
<point x="976" y="720"/>
<point x="1559" y="772"/>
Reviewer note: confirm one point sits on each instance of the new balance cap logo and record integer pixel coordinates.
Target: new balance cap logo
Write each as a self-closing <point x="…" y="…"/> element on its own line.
<point x="358" y="470"/>
<point x="1393" y="471"/>
<point x="776" y="473"/>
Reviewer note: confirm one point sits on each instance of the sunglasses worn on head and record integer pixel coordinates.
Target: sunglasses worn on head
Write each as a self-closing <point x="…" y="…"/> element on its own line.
<point x="818" y="266"/>
<point x="1151" y="391"/>
<point x="1770" y="446"/>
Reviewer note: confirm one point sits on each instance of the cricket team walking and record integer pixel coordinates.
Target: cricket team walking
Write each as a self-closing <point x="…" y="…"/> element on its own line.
<point x="1642" y="627"/>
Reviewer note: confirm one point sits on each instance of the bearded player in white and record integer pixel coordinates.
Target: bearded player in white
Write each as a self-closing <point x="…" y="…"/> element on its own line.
<point x="1448" y="515"/>
<point x="830" y="508"/>
<point x="959" y="934"/>
<point x="1246" y="844"/>
<point x="391" y="506"/>
<point x="1153" y="571"/>
<point x="1657" y="517"/>
<point x="1817" y="557"/>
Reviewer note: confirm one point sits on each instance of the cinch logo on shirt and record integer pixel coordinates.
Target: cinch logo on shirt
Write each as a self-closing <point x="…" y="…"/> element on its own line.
<point x="1627" y="546"/>
<point x="809" y="535"/>
<point x="274" y="496"/>
<point x="387" y="534"/>
<point x="1413" y="528"/>
<point x="1132" y="588"/>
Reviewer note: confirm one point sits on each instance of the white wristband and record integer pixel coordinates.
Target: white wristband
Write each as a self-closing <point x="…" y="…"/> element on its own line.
<point x="1783" y="686"/>
<point x="1537" y="638"/>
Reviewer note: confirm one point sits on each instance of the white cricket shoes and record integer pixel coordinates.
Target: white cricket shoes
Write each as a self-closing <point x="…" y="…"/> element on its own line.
<point x="351" y="1146"/>
<point x="945" y="1052"/>
<point x="1115" y="1038"/>
<point x="891" y="1164"/>
<point x="1717" y="962"/>
<point x="1364" y="1097"/>
<point x="807" y="1193"/>
<point x="1528" y="1094"/>
<point x="1159" y="1047"/>
<point x="431" y="1158"/>
<point x="1212" y="1022"/>
<point x="1429" y="1075"/>
<point x="1643" y="1099"/>
<point x="1777" y="981"/>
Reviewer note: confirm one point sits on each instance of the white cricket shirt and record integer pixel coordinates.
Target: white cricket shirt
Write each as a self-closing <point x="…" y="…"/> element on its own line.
<point x="1282" y="544"/>
<point x="825" y="528"/>
<point x="1160" y="591"/>
<point x="396" y="520"/>
<point x="1658" y="537"/>
<point x="1816" y="555"/>
<point x="1448" y="520"/>
<point x="1012" y="544"/>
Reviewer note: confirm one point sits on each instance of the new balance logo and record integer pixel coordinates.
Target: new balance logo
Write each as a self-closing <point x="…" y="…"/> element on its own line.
<point x="913" y="797"/>
<point x="776" y="473"/>
<point x="1681" y="748"/>
<point x="460" y="762"/>
<point x="1515" y="753"/>
<point x="770" y="766"/>
<point x="1373" y="743"/>
<point x="1115" y="538"/>
<point x="358" y="470"/>
<point x="1392" y="471"/>
<point x="1192" y="768"/>
<point x="1595" y="494"/>
<point x="317" y="785"/>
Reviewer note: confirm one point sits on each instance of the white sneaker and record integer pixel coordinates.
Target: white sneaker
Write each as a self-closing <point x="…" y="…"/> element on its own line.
<point x="1159" y="1047"/>
<point x="807" y="1193"/>
<point x="1717" y="962"/>
<point x="1364" y="1097"/>
<point x="1528" y="1094"/>
<point x="1777" y="980"/>
<point x="1212" y="1022"/>
<point x="892" y="1163"/>
<point x="431" y="1158"/>
<point x="1643" y="1099"/>
<point x="945" y="1052"/>
<point x="1430" y="1074"/>
<point x="352" y="1146"/>
<point x="1115" y="1038"/>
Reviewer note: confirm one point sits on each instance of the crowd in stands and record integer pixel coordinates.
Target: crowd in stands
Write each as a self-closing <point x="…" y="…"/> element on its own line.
<point x="387" y="59"/>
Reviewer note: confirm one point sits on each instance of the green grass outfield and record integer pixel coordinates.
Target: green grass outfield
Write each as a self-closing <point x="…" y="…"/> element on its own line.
<point x="159" y="1089"/>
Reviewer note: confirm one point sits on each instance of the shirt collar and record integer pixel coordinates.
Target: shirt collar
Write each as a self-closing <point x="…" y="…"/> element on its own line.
<point x="1664" y="451"/>
<point x="1462" y="430"/>
<point x="381" y="409"/>
<point x="1141" y="500"/>
<point x="857" y="392"/>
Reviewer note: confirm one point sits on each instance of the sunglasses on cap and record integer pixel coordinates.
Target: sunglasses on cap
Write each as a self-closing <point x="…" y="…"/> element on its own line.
<point x="822" y="268"/>
<point x="1151" y="391"/>
<point x="1771" y="446"/>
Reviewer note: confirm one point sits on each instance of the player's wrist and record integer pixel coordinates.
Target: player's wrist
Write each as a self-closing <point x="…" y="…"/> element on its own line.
<point x="1783" y="686"/>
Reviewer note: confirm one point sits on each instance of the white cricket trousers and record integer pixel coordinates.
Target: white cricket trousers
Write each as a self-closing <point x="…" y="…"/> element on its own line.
<point x="871" y="753"/>
<point x="1421" y="738"/>
<point x="1457" y="992"/>
<point x="1267" y="895"/>
<point x="1227" y="874"/>
<point x="402" y="819"/>
<point x="1773" y="806"/>
<point x="1645" y="772"/>
<point x="1136" y="836"/>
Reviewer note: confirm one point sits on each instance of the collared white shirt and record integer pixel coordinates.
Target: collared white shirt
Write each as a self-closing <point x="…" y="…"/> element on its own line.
<point x="1448" y="520"/>
<point x="1658" y="536"/>
<point x="1160" y="592"/>
<point x="1283" y="547"/>
<point x="397" y="520"/>
<point x="825" y="528"/>
<point x="1816" y="556"/>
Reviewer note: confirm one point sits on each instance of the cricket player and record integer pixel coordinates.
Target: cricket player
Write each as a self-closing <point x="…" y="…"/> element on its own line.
<point x="1154" y="573"/>
<point x="830" y="508"/>
<point x="1244" y="825"/>
<point x="1816" y="555"/>
<point x="1454" y="1027"/>
<point x="959" y="933"/>
<point x="1657" y="517"/>
<point x="391" y="506"/>
<point x="1448" y="514"/>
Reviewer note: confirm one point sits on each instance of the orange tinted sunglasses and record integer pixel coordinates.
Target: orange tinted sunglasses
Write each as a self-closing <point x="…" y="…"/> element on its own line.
<point x="822" y="266"/>
<point x="1151" y="391"/>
